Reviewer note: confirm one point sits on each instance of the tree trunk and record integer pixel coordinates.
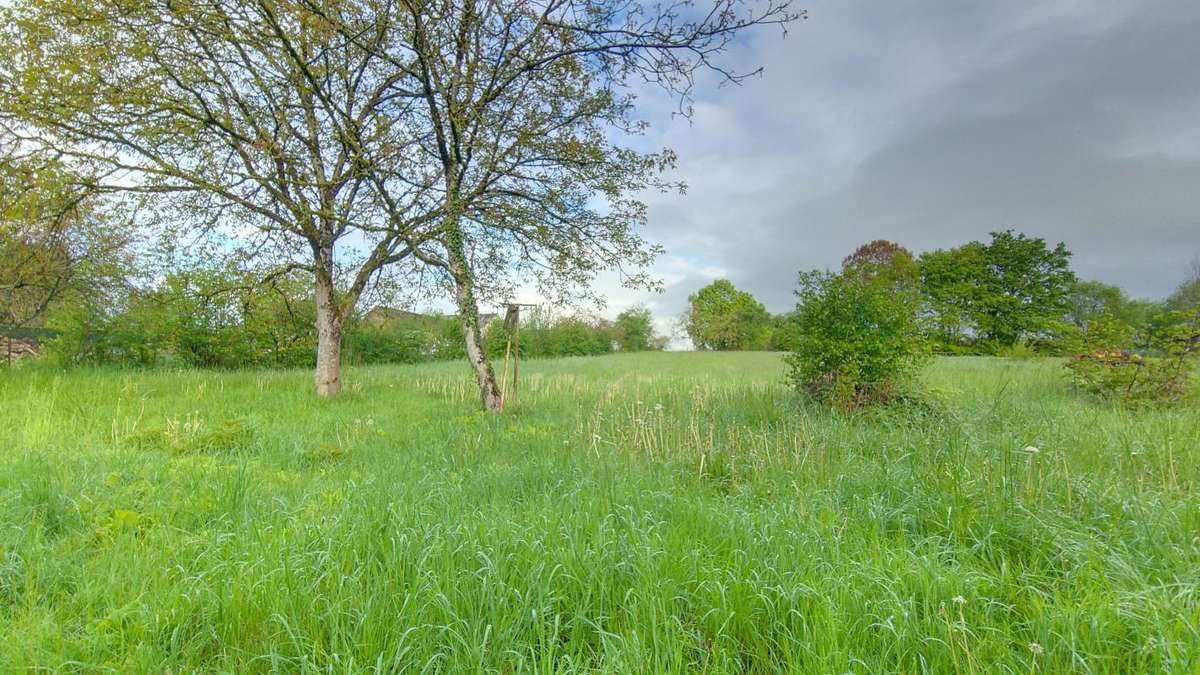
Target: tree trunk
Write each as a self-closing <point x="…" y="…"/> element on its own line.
<point x="489" y="389"/>
<point x="468" y="312"/>
<point x="329" y="337"/>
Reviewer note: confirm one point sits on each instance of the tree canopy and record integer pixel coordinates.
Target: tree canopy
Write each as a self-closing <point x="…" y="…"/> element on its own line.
<point x="1010" y="288"/>
<point x="635" y="330"/>
<point x="722" y="318"/>
<point x="885" y="263"/>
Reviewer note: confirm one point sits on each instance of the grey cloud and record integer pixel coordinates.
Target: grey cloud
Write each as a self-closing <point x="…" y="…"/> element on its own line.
<point x="933" y="123"/>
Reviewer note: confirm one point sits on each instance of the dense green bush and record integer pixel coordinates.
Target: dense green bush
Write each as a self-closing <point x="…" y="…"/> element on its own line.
<point x="85" y="334"/>
<point x="385" y="343"/>
<point x="783" y="333"/>
<point x="855" y="341"/>
<point x="201" y="318"/>
<point x="542" y="336"/>
<point x="447" y="341"/>
<point x="576" y="337"/>
<point x="208" y="318"/>
<point x="218" y="317"/>
<point x="1162" y="371"/>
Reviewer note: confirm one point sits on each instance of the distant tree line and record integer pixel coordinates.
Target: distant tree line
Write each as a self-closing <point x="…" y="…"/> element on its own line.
<point x="218" y="317"/>
<point x="1011" y="293"/>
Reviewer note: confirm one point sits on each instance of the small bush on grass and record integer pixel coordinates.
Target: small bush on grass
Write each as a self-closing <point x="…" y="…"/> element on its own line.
<point x="191" y="436"/>
<point x="323" y="453"/>
<point x="1163" y="373"/>
<point x="1020" y="350"/>
<point x="857" y="342"/>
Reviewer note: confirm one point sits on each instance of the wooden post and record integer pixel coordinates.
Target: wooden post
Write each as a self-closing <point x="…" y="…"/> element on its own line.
<point x="512" y="325"/>
<point x="504" y="377"/>
<point x="517" y="355"/>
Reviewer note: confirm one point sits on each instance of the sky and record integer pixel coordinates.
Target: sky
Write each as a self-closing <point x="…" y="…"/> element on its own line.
<point x="932" y="123"/>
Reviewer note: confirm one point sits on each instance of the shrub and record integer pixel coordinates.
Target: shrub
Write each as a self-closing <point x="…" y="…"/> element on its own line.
<point x="575" y="336"/>
<point x="854" y="342"/>
<point x="543" y="336"/>
<point x="783" y="333"/>
<point x="367" y="344"/>
<point x="1020" y="350"/>
<point x="205" y="318"/>
<point x="447" y="341"/>
<point x="1165" y="373"/>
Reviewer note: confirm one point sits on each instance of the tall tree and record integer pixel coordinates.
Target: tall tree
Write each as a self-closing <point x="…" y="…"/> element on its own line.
<point x="884" y="262"/>
<point x="722" y="318"/>
<point x="1026" y="289"/>
<point x="1002" y="291"/>
<point x="952" y="282"/>
<point x="524" y="103"/>
<point x="1091" y="300"/>
<point x="263" y="126"/>
<point x="635" y="330"/>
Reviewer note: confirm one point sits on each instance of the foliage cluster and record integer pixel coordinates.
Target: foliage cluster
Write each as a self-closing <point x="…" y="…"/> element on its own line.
<point x="202" y="317"/>
<point x="543" y="335"/>
<point x="1162" y="371"/>
<point x="634" y="331"/>
<point x="412" y="339"/>
<point x="987" y="297"/>
<point x="858" y="338"/>
<point x="1013" y="296"/>
<point x="720" y="317"/>
<point x="56" y="245"/>
<point x="223" y="318"/>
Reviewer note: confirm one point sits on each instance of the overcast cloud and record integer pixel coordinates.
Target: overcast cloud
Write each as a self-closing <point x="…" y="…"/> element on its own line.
<point x="931" y="124"/>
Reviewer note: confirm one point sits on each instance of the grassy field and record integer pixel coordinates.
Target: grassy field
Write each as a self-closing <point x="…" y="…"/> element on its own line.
<point x="643" y="513"/>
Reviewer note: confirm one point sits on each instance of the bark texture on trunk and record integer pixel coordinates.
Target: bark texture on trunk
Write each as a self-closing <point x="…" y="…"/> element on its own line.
<point x="329" y="356"/>
<point x="328" y="373"/>
<point x="468" y="312"/>
<point x="489" y="390"/>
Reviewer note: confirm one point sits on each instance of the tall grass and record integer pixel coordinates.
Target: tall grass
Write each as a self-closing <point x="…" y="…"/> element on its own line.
<point x="634" y="513"/>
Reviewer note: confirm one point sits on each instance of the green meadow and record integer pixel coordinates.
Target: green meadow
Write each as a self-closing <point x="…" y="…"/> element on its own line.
<point x="645" y="513"/>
